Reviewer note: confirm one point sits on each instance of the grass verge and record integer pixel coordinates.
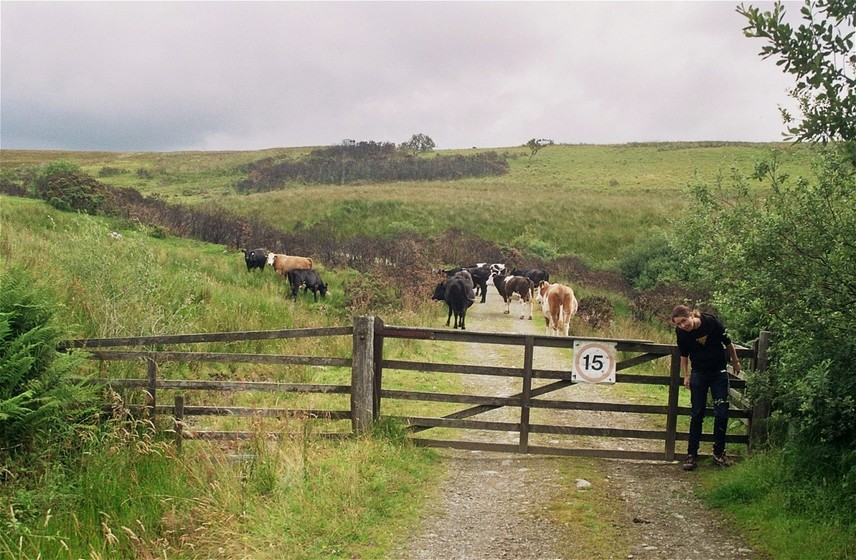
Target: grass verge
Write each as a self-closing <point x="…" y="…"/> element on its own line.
<point x="756" y="499"/>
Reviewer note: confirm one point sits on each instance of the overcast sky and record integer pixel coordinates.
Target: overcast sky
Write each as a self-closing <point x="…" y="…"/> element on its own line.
<point x="166" y="76"/>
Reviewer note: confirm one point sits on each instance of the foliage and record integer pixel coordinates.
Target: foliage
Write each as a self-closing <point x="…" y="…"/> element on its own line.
<point x="64" y="186"/>
<point x="651" y="261"/>
<point x="535" y="146"/>
<point x="37" y="395"/>
<point x="820" y="54"/>
<point x="367" y="162"/>
<point x="787" y="264"/>
<point x="418" y="144"/>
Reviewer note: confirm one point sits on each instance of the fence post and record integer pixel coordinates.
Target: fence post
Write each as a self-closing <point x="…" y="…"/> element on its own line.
<point x="362" y="375"/>
<point x="152" y="373"/>
<point x="377" y="378"/>
<point x="179" y="421"/>
<point x="761" y="408"/>
<point x="672" y="415"/>
<point x="526" y="394"/>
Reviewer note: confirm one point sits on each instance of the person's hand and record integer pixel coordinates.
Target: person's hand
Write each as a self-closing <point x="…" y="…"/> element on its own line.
<point x="687" y="381"/>
<point x="736" y="367"/>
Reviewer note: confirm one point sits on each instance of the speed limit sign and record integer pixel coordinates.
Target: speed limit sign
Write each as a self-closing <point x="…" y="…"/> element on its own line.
<point x="594" y="362"/>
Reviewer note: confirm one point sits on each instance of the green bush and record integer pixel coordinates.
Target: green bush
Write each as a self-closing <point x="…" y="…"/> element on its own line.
<point x="650" y="261"/>
<point x="65" y="187"/>
<point x="786" y="264"/>
<point x="37" y="396"/>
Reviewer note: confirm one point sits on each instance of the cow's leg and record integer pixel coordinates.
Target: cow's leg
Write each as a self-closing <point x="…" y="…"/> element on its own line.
<point x="554" y="321"/>
<point x="449" y="318"/>
<point x="483" y="288"/>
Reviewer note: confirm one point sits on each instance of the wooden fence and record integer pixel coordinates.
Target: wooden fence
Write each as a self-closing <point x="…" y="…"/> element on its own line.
<point x="368" y="364"/>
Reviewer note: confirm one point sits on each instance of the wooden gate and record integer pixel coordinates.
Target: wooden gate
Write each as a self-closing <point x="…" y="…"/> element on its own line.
<point x="373" y="394"/>
<point x="535" y="386"/>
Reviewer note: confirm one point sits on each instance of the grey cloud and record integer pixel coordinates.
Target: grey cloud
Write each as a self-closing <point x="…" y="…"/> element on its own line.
<point x="249" y="75"/>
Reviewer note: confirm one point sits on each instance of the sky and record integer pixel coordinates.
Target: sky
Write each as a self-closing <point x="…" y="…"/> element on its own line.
<point x="174" y="76"/>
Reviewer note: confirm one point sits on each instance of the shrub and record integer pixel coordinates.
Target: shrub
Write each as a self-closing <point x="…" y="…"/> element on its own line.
<point x="65" y="187"/>
<point x="650" y="261"/>
<point x="596" y="311"/>
<point x="37" y="395"/>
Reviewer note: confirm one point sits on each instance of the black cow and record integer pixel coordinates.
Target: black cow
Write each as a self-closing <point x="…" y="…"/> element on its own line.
<point x="456" y="293"/>
<point x="309" y="279"/>
<point x="534" y="274"/>
<point x="480" y="275"/>
<point x="255" y="258"/>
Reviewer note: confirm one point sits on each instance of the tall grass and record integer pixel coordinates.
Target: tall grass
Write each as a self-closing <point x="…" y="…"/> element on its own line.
<point x="131" y="497"/>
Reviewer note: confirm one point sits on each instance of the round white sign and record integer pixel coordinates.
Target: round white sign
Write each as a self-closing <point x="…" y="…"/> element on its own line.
<point x="594" y="362"/>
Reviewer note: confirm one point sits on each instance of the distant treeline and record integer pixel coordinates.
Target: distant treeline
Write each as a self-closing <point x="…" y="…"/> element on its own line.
<point x="375" y="162"/>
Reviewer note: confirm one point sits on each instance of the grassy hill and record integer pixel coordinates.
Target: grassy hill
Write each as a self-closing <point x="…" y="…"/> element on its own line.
<point x="581" y="200"/>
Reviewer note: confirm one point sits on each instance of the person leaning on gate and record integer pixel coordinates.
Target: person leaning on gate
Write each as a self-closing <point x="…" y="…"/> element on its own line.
<point x="703" y="342"/>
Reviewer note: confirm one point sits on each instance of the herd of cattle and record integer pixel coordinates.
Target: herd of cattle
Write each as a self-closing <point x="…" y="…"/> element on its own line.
<point x="459" y="287"/>
<point x="298" y="270"/>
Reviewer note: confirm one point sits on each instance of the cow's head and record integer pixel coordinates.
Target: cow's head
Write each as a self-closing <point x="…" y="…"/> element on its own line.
<point x="439" y="292"/>
<point x="270" y="258"/>
<point x="498" y="269"/>
<point x="543" y="286"/>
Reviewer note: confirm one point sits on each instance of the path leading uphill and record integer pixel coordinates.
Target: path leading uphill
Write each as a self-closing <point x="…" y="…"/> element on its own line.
<point x="493" y="506"/>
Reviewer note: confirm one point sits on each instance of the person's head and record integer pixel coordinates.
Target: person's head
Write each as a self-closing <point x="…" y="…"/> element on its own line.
<point x="685" y="318"/>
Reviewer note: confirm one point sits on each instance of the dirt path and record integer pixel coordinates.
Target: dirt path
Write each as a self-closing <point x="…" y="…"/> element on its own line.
<point x="493" y="506"/>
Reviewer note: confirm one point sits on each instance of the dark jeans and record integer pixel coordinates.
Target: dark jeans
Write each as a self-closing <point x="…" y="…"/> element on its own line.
<point x="717" y="384"/>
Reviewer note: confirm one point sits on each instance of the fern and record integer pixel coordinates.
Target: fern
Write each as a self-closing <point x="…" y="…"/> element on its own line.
<point x="37" y="394"/>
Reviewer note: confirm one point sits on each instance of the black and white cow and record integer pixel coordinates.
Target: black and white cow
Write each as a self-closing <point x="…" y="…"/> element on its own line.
<point x="255" y="258"/>
<point x="515" y="288"/>
<point x="309" y="279"/>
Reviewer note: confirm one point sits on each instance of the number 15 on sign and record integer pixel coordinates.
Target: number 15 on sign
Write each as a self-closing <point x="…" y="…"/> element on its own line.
<point x="594" y="362"/>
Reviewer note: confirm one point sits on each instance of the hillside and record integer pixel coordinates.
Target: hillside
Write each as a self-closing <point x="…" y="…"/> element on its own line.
<point x="578" y="200"/>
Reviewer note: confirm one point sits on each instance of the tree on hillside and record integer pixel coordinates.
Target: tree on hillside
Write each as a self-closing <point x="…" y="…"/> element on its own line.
<point x="820" y="54"/>
<point x="418" y="144"/>
<point x="535" y="146"/>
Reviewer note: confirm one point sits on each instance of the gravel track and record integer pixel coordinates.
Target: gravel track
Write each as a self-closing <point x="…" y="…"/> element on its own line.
<point x="492" y="505"/>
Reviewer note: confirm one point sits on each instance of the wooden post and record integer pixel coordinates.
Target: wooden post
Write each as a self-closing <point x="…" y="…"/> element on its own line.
<point x="526" y="393"/>
<point x="362" y="375"/>
<point x="152" y="374"/>
<point x="675" y="383"/>
<point x="761" y="408"/>
<point x="179" y="421"/>
<point x="377" y="380"/>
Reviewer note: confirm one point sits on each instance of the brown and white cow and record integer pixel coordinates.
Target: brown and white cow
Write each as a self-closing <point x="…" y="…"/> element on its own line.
<point x="559" y="304"/>
<point x="283" y="264"/>
<point x="517" y="288"/>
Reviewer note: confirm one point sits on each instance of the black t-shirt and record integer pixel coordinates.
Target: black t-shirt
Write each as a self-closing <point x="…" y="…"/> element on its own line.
<point x="705" y="346"/>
